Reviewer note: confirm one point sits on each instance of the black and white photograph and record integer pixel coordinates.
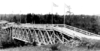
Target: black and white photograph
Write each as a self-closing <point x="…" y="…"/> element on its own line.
<point x="49" y="25"/>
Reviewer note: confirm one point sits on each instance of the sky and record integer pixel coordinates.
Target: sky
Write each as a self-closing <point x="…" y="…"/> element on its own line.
<point x="88" y="7"/>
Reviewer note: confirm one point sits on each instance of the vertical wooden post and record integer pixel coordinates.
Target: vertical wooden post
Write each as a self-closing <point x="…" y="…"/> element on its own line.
<point x="30" y="35"/>
<point x="10" y="32"/>
<point x="42" y="36"/>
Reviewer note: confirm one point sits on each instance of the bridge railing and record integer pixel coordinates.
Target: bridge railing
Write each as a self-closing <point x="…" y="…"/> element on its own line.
<point x="81" y="31"/>
<point x="76" y="29"/>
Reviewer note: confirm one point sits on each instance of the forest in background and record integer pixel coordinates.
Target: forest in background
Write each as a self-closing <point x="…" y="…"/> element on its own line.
<point x="86" y="22"/>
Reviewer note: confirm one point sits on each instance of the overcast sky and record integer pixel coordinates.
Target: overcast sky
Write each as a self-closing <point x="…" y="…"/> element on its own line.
<point x="46" y="6"/>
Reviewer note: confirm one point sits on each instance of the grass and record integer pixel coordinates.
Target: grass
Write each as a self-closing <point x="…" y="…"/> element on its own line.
<point x="4" y="37"/>
<point x="84" y="45"/>
<point x="48" y="48"/>
<point x="55" y="47"/>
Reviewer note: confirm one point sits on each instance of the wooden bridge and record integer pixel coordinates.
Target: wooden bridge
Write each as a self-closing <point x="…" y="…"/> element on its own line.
<point x="45" y="34"/>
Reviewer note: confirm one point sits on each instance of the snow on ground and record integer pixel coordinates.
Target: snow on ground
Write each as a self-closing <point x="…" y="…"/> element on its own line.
<point x="74" y="33"/>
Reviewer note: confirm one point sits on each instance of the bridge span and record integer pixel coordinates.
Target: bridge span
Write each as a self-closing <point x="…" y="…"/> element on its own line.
<point x="45" y="34"/>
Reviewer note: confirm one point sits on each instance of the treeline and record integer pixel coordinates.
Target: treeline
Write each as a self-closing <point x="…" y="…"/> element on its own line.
<point x="85" y="22"/>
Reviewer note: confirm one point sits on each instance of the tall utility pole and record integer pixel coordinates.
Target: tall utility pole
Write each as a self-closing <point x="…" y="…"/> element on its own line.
<point x="53" y="5"/>
<point x="64" y="13"/>
<point x="64" y="16"/>
<point x="52" y="12"/>
<point x="20" y="16"/>
<point x="25" y="19"/>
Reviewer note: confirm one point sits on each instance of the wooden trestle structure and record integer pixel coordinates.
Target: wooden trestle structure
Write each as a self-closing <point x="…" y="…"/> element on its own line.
<point x="43" y="34"/>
